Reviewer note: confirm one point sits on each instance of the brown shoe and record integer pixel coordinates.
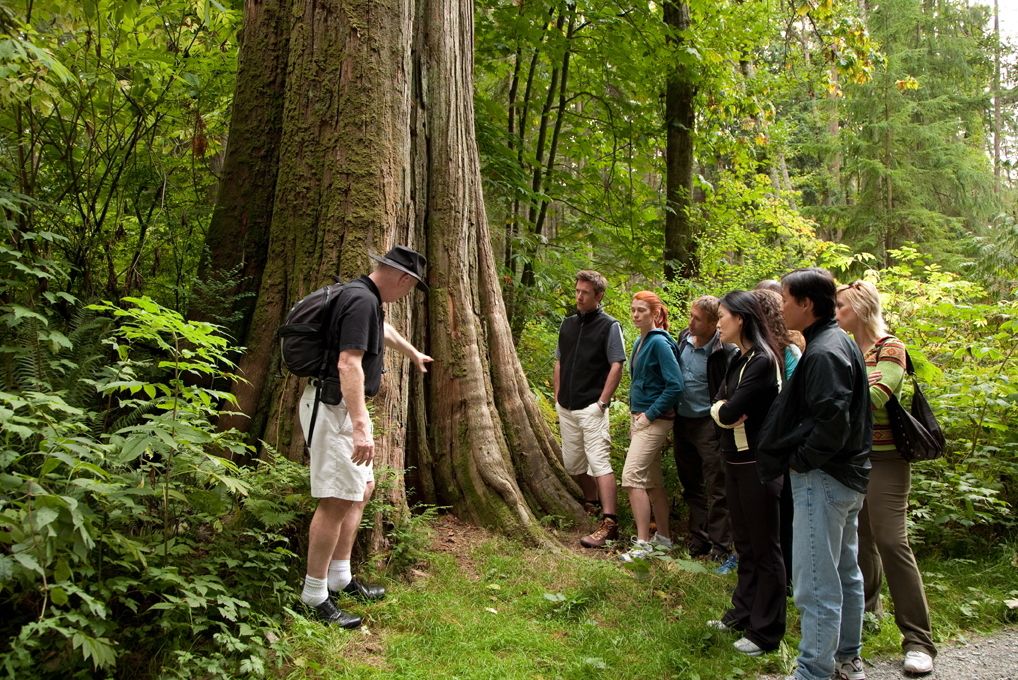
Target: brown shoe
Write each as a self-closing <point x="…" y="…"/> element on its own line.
<point x="608" y="531"/>
<point x="592" y="508"/>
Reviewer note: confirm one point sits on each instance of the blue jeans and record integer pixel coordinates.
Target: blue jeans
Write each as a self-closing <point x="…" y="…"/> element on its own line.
<point x="826" y="578"/>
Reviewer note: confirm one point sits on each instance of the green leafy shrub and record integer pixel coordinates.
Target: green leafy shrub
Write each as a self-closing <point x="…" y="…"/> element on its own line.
<point x="143" y="548"/>
<point x="410" y="538"/>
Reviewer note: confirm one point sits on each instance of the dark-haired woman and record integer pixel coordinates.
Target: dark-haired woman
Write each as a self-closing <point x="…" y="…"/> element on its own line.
<point x="792" y="344"/>
<point x="751" y="384"/>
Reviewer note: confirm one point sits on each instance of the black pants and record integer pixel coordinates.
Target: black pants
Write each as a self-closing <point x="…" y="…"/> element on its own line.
<point x="758" y="603"/>
<point x="702" y="475"/>
<point x="787" y="508"/>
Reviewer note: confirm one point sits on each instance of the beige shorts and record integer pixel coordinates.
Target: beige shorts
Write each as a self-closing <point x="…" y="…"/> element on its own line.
<point x="333" y="473"/>
<point x="586" y="444"/>
<point x="643" y="460"/>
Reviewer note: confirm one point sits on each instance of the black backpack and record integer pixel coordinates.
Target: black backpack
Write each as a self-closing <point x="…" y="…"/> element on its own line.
<point x="304" y="344"/>
<point x="302" y="337"/>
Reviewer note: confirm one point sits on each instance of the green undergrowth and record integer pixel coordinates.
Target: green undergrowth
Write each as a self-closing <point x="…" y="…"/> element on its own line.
<point x="505" y="610"/>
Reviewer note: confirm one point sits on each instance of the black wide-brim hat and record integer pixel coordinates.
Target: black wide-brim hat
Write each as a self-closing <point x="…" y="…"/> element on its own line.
<point x="408" y="261"/>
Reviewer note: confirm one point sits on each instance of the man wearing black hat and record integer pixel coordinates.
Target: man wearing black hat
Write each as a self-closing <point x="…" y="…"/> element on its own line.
<point x="342" y="445"/>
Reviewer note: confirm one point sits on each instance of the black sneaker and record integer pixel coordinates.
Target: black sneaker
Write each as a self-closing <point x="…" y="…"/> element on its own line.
<point x="327" y="612"/>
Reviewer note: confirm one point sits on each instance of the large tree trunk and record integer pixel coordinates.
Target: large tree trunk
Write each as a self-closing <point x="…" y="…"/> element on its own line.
<point x="680" y="243"/>
<point x="342" y="192"/>
<point x="377" y="148"/>
<point x="237" y="241"/>
<point x="492" y="456"/>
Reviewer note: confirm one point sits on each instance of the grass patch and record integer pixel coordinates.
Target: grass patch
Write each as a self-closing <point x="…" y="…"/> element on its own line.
<point x="519" y="612"/>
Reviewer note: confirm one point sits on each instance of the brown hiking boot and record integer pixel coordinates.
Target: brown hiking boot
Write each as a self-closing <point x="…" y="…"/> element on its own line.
<point x="592" y="508"/>
<point x="608" y="531"/>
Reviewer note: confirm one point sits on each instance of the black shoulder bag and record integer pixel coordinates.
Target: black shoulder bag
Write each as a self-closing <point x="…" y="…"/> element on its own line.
<point x="917" y="434"/>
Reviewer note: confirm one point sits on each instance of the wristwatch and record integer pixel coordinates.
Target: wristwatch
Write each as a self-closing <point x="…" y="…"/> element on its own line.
<point x="603" y="405"/>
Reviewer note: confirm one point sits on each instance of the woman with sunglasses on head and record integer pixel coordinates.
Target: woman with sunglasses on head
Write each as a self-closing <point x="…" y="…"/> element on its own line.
<point x="751" y="385"/>
<point x="883" y="538"/>
<point x="653" y="394"/>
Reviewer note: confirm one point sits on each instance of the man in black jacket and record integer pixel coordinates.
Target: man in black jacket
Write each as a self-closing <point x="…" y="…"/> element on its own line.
<point x="820" y="428"/>
<point x="703" y="359"/>
<point x="588" y="368"/>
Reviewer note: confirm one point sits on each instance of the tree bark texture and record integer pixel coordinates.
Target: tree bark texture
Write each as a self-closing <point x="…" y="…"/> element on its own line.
<point x="680" y="92"/>
<point x="488" y="449"/>
<point x="341" y="193"/>
<point x="377" y="148"/>
<point x="238" y="236"/>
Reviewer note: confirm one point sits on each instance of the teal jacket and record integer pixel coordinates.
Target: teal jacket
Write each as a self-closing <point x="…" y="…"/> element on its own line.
<point x="656" y="377"/>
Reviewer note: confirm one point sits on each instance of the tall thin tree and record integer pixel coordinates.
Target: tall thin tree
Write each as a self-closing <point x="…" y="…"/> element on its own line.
<point x="680" y="119"/>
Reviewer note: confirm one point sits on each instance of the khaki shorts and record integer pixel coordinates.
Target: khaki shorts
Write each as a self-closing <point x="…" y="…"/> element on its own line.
<point x="586" y="444"/>
<point x="643" y="460"/>
<point x="333" y="473"/>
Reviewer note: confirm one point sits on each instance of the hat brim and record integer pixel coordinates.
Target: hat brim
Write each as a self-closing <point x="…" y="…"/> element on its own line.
<point x="421" y="286"/>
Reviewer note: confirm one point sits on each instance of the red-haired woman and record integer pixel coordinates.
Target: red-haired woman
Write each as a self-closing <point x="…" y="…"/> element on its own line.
<point x="653" y="392"/>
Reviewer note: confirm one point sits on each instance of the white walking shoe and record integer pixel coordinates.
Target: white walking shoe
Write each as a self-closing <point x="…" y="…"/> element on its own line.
<point x="918" y="661"/>
<point x="640" y="550"/>
<point x="747" y="647"/>
<point x="662" y="542"/>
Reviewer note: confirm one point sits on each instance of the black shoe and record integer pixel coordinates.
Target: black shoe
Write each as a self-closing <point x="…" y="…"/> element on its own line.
<point x="328" y="612"/>
<point x="362" y="592"/>
<point x="719" y="554"/>
<point x="697" y="548"/>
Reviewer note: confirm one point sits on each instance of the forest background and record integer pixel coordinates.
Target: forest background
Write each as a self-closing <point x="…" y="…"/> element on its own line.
<point x="153" y="502"/>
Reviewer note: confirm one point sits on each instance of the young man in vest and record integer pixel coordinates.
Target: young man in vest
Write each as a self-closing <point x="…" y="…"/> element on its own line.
<point x="820" y="428"/>
<point x="703" y="359"/>
<point x="588" y="368"/>
<point x="342" y="445"/>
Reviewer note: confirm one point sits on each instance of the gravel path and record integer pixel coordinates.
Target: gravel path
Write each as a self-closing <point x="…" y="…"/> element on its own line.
<point x="978" y="658"/>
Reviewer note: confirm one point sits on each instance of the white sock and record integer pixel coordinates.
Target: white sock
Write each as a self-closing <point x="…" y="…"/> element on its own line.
<point x="339" y="575"/>
<point x="314" y="592"/>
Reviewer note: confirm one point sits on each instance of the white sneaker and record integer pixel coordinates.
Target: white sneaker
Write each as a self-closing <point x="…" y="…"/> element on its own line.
<point x="851" y="670"/>
<point x="660" y="541"/>
<point x="639" y="551"/>
<point x="918" y="661"/>
<point x="747" y="647"/>
<point x="718" y="624"/>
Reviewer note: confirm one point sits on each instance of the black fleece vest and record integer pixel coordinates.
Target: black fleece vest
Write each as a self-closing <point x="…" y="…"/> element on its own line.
<point x="583" y="358"/>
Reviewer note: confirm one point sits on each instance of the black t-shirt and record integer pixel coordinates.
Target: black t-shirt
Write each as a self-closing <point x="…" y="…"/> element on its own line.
<point x="358" y="322"/>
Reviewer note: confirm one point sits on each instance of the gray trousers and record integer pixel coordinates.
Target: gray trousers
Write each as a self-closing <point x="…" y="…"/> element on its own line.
<point x="884" y="551"/>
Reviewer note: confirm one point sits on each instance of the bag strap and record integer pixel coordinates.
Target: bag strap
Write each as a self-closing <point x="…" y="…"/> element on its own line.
<point x="909" y="367"/>
<point x="323" y="367"/>
<point x="314" y="416"/>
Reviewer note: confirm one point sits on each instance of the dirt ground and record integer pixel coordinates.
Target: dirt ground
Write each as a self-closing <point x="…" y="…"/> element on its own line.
<point x="994" y="657"/>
